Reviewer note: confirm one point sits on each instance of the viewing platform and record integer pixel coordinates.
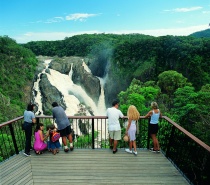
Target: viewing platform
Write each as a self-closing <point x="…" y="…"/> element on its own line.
<point x="183" y="159"/>
<point x="91" y="166"/>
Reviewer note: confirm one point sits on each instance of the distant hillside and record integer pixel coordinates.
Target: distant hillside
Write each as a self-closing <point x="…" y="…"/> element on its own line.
<point x="200" y="34"/>
<point x="17" y="68"/>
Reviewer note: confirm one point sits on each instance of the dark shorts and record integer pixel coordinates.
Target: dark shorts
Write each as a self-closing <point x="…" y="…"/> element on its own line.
<point x="153" y="128"/>
<point x="66" y="131"/>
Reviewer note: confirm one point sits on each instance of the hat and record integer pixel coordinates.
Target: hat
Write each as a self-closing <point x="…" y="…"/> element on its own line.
<point x="126" y="138"/>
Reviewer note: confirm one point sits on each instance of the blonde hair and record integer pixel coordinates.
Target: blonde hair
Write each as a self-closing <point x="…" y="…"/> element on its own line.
<point x="154" y="105"/>
<point x="133" y="113"/>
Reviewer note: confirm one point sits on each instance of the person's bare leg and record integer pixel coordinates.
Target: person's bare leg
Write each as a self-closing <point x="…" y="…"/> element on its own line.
<point x="134" y="146"/>
<point x="111" y="143"/>
<point x="115" y="145"/>
<point x="130" y="145"/>
<point x="154" y="140"/>
<point x="64" y="141"/>
<point x="65" y="144"/>
<point x="70" y="140"/>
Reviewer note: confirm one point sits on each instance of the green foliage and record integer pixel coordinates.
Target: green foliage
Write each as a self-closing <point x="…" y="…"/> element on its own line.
<point x="169" y="81"/>
<point x="139" y="95"/>
<point x="17" y="67"/>
<point x="85" y="141"/>
<point x="201" y="34"/>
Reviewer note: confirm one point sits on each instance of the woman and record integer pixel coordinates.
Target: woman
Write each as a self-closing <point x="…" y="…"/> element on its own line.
<point x="39" y="144"/>
<point x="154" y="115"/>
<point x="29" y="119"/>
<point x="133" y="116"/>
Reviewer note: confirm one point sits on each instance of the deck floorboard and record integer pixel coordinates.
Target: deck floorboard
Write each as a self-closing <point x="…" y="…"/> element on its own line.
<point x="88" y="166"/>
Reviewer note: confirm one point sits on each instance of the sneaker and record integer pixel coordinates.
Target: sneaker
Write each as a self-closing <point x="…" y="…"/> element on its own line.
<point x="114" y="151"/>
<point x="27" y="154"/>
<point x="152" y="150"/>
<point x="158" y="151"/>
<point x="66" y="149"/>
<point x="135" y="153"/>
<point x="129" y="151"/>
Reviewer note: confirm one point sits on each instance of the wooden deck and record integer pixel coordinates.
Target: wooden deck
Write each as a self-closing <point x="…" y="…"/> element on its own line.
<point x="88" y="166"/>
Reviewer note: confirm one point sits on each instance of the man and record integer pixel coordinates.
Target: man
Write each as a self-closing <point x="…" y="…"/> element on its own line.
<point x="113" y="115"/>
<point x="63" y="125"/>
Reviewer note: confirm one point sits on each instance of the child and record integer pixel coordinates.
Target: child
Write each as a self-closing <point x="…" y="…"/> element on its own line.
<point x="133" y="116"/>
<point x="54" y="145"/>
<point x="48" y="139"/>
<point x="39" y="144"/>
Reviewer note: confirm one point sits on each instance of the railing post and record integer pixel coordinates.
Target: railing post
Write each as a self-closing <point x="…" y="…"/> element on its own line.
<point x="148" y="135"/>
<point x="170" y="141"/>
<point x="93" y="141"/>
<point x="37" y="121"/>
<point x="13" y="138"/>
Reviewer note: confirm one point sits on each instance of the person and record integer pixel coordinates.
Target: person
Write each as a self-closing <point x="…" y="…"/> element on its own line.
<point x="29" y="119"/>
<point x="63" y="125"/>
<point x="113" y="115"/>
<point x="53" y="145"/>
<point x="133" y="117"/>
<point x="154" y="115"/>
<point x="39" y="144"/>
<point x="48" y="139"/>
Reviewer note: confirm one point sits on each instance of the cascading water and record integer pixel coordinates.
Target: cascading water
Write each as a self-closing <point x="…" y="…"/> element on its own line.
<point x="73" y="94"/>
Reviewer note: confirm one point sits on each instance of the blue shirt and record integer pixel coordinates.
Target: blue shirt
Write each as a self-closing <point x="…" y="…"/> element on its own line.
<point x="28" y="116"/>
<point x="155" y="117"/>
<point x="60" y="117"/>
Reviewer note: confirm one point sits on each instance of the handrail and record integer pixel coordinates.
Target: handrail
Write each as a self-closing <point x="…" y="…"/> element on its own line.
<point x="189" y="154"/>
<point x="198" y="141"/>
<point x="11" y="121"/>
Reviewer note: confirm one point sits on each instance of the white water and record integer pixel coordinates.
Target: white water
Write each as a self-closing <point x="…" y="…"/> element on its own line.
<point x="66" y="87"/>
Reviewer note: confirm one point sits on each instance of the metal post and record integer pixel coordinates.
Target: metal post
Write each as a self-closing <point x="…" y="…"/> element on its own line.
<point x="148" y="136"/>
<point x="93" y="143"/>
<point x="13" y="138"/>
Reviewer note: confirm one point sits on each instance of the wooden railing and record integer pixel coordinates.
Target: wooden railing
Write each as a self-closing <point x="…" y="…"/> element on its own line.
<point x="189" y="154"/>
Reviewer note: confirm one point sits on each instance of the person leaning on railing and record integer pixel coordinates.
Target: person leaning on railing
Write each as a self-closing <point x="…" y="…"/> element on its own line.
<point x="154" y="115"/>
<point x="29" y="119"/>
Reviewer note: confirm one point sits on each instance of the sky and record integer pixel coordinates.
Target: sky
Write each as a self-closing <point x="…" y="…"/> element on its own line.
<point x="41" y="20"/>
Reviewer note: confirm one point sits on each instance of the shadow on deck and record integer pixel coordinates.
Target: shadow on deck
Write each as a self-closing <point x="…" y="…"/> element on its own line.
<point x="88" y="166"/>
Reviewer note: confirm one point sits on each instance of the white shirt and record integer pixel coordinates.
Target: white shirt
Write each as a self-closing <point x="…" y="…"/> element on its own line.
<point x="113" y="115"/>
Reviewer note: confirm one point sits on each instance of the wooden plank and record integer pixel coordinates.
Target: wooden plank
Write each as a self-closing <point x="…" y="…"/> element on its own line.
<point x="87" y="166"/>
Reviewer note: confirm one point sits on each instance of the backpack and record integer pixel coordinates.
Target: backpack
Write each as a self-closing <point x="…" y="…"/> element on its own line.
<point x="55" y="136"/>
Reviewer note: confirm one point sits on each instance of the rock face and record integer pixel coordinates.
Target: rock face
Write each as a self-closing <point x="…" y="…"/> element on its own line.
<point x="49" y="95"/>
<point x="86" y="80"/>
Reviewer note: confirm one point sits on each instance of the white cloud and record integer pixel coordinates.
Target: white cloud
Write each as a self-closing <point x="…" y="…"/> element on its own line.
<point x="185" y="9"/>
<point x="79" y="16"/>
<point x="48" y="36"/>
<point x="55" y="19"/>
<point x="52" y="36"/>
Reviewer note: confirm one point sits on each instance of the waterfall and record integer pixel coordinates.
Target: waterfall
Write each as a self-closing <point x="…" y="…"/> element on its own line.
<point x="101" y="101"/>
<point x="38" y="97"/>
<point x="73" y="94"/>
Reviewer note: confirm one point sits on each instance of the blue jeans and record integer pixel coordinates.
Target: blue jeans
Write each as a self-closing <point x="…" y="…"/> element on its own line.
<point x="28" y="134"/>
